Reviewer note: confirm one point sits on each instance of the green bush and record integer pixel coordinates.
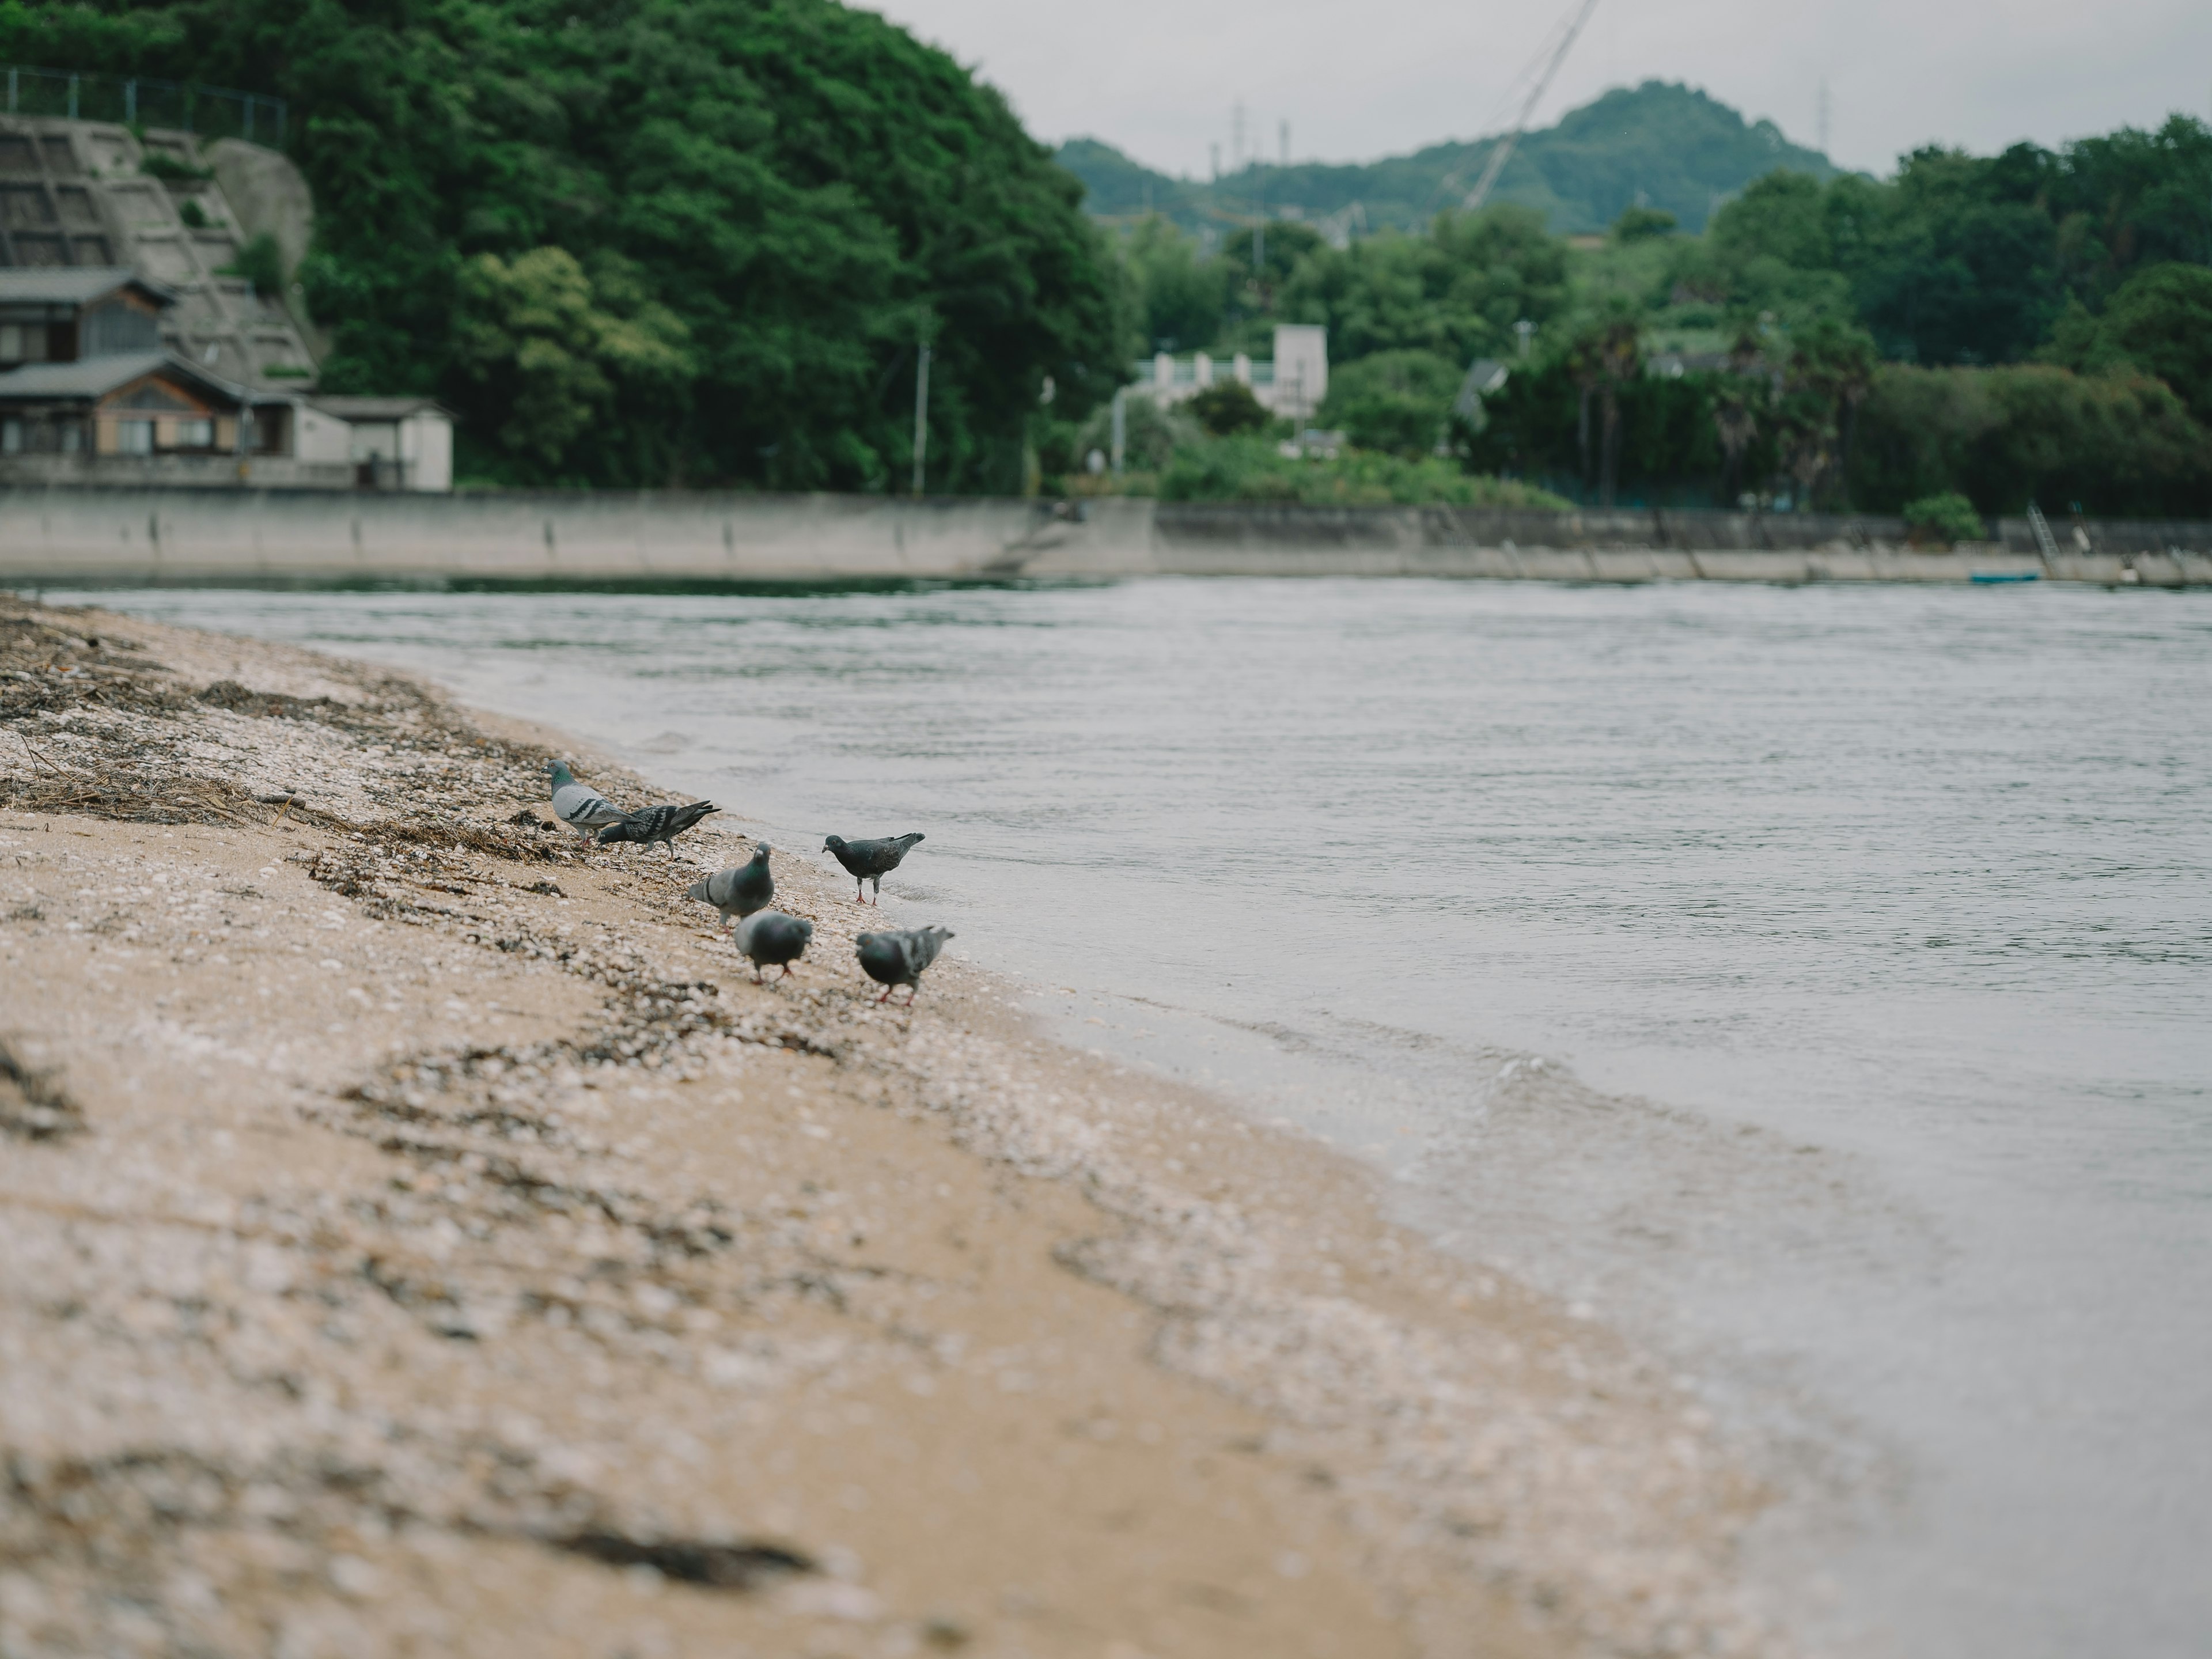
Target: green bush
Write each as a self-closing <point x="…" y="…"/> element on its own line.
<point x="159" y="164"/>
<point x="1639" y="224"/>
<point x="1397" y="401"/>
<point x="1227" y="408"/>
<point x="1255" y="470"/>
<point x="1944" y="520"/>
<point x="193" y="215"/>
<point x="2121" y="443"/>
<point x="262" y="264"/>
<point x="1151" y="435"/>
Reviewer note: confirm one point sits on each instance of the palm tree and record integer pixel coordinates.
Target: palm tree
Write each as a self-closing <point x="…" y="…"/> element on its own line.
<point x="1605" y="356"/>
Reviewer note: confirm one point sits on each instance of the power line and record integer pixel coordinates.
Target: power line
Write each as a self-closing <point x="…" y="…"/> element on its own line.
<point x="1502" y="152"/>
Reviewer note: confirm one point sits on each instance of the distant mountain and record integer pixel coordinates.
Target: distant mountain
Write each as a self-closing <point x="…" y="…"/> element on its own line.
<point x="1662" y="144"/>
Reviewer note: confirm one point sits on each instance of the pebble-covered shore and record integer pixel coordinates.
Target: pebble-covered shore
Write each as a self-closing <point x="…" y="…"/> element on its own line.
<point x="418" y="1234"/>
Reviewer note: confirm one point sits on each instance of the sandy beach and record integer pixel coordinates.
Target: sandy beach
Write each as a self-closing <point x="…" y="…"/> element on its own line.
<point x="419" y="1234"/>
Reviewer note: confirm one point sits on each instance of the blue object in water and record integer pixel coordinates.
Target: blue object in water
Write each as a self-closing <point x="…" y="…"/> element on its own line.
<point x="2005" y="576"/>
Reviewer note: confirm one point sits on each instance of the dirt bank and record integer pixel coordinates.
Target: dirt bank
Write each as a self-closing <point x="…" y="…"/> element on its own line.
<point x="418" y="1234"/>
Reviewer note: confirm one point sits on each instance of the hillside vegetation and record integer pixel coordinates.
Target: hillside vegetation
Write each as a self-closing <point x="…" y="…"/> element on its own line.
<point x="1659" y="145"/>
<point x="2031" y="327"/>
<point x="666" y="241"/>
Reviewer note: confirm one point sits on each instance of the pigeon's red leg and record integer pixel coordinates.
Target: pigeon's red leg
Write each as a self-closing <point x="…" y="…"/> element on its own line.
<point x="886" y="996"/>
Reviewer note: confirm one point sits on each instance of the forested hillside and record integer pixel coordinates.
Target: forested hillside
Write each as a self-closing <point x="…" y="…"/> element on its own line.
<point x="2031" y="327"/>
<point x="1658" y="145"/>
<point x="664" y="241"/>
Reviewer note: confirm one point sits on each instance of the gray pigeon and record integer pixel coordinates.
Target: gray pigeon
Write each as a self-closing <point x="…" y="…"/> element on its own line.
<point x="651" y="823"/>
<point x="769" y="939"/>
<point x="737" y="893"/>
<point x="870" y="861"/>
<point x="896" y="959"/>
<point x="578" y="805"/>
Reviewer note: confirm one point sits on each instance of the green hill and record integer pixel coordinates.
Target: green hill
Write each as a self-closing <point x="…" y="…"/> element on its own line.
<point x="1663" y="145"/>
<point x="663" y="242"/>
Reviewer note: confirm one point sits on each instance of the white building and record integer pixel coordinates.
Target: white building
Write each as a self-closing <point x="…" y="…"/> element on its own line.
<point x="390" y="443"/>
<point x="1291" y="385"/>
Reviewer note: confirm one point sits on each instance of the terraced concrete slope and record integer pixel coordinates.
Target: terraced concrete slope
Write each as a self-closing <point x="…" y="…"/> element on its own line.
<point x="78" y="193"/>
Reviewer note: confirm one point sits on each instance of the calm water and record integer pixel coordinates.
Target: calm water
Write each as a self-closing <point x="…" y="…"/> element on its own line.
<point x="1862" y="934"/>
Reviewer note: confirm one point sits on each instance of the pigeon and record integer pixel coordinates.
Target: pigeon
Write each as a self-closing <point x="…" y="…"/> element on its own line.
<point x="578" y="805"/>
<point x="654" y="823"/>
<point x="739" y="892"/>
<point x="896" y="959"/>
<point x="769" y="939"/>
<point x="870" y="861"/>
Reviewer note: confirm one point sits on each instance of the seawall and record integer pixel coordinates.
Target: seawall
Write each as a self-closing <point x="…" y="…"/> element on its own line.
<point x="299" y="536"/>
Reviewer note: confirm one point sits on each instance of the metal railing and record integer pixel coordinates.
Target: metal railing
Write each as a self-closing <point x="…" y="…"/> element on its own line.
<point x="141" y="100"/>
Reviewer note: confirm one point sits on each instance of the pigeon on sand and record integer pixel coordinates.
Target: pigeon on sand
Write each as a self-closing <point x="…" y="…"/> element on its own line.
<point x="896" y="959"/>
<point x="578" y="805"/>
<point x="652" y="824"/>
<point x="870" y="861"/>
<point x="769" y="939"/>
<point x="738" y="892"/>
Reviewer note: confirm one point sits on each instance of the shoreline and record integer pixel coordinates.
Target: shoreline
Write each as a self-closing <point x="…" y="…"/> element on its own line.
<point x="505" y="1261"/>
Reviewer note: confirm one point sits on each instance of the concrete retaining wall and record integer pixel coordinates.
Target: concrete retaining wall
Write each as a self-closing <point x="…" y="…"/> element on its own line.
<point x="63" y="535"/>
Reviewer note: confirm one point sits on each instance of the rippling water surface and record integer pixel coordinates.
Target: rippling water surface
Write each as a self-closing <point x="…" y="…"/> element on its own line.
<point x="1812" y="981"/>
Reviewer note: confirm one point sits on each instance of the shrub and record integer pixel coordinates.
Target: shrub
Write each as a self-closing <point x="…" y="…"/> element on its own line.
<point x="261" y="263"/>
<point x="1254" y="470"/>
<point x="159" y="164"/>
<point x="1150" y="434"/>
<point x="1639" y="224"/>
<point x="2119" y="442"/>
<point x="1227" y="408"/>
<point x="1397" y="401"/>
<point x="1943" y="520"/>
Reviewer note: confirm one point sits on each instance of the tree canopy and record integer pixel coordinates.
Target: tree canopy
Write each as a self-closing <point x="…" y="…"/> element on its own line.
<point x="654" y="241"/>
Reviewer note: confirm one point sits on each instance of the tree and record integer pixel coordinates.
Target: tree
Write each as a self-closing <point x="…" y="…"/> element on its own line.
<point x="1826" y="376"/>
<point x="1740" y="393"/>
<point x="1227" y="408"/>
<point x="2158" y="321"/>
<point x="1641" y="224"/>
<point x="1397" y="401"/>
<point x="806" y="187"/>
<point x="546" y="355"/>
<point x="1182" y="300"/>
<point x="1606" y="355"/>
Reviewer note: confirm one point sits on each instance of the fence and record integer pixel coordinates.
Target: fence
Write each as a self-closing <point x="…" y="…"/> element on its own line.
<point x="139" y="101"/>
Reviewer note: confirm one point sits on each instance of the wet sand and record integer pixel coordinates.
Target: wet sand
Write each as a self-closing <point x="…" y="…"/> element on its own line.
<point x="419" y="1234"/>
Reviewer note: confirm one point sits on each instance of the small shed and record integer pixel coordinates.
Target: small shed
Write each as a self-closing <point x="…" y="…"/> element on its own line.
<point x="391" y="443"/>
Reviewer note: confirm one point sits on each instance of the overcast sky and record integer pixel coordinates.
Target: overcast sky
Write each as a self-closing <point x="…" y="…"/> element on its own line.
<point x="1158" y="78"/>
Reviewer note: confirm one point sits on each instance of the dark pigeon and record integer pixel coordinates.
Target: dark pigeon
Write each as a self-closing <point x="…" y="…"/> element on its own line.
<point x="578" y="805"/>
<point x="654" y="823"/>
<point x="737" y="893"/>
<point x="896" y="959"/>
<point x="769" y="939"/>
<point x="870" y="861"/>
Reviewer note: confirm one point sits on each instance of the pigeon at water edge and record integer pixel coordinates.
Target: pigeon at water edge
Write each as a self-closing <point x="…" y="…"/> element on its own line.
<point x="870" y="861"/>
<point x="737" y="893"/>
<point x="896" y="959"/>
<point x="769" y="939"/>
<point x="578" y="805"/>
<point x="654" y="823"/>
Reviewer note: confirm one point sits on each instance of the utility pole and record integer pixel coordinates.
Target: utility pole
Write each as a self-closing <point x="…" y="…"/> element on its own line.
<point x="1824" y="116"/>
<point x="920" y="411"/>
<point x="1258" y="226"/>
<point x="1121" y="426"/>
<point x="1237" y="134"/>
<point x="1283" y="133"/>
